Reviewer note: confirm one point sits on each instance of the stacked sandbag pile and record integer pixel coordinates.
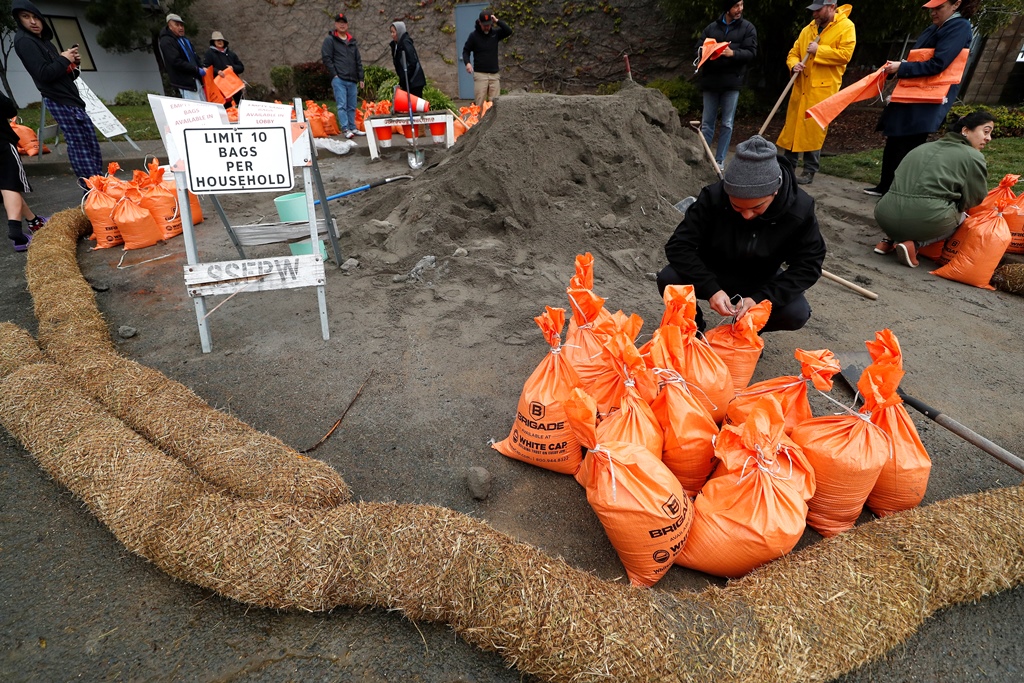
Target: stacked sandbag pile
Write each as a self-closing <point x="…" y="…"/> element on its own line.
<point x="136" y="213"/>
<point x="322" y="121"/>
<point x="655" y="412"/>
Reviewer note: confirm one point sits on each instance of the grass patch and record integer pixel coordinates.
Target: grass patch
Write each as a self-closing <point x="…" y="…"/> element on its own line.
<point x="1004" y="155"/>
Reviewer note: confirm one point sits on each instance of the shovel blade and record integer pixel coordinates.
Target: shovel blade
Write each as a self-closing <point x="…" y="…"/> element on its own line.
<point x="853" y="365"/>
<point x="416" y="159"/>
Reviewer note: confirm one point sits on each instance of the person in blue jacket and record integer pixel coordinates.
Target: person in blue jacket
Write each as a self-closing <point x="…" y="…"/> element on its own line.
<point x="721" y="78"/>
<point x="906" y="125"/>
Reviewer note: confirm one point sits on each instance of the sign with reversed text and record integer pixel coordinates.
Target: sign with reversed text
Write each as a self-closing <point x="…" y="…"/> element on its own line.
<point x="254" y="275"/>
<point x="238" y="159"/>
<point x="105" y="122"/>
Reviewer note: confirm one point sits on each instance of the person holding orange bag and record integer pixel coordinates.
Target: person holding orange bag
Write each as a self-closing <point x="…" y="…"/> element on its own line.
<point x="219" y="57"/>
<point x="934" y="186"/>
<point x="735" y="237"/>
<point x="13" y="182"/>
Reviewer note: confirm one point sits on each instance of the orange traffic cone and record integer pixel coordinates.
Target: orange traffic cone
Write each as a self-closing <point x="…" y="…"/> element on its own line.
<point x="402" y="100"/>
<point x="438" y="131"/>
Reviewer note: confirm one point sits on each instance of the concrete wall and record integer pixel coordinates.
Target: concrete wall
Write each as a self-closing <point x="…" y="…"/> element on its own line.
<point x="114" y="72"/>
<point x="997" y="59"/>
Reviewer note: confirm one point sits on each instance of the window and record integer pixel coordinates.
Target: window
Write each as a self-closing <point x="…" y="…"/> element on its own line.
<point x="67" y="32"/>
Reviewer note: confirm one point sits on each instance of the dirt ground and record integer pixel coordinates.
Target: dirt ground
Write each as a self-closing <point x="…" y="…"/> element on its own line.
<point x="541" y="179"/>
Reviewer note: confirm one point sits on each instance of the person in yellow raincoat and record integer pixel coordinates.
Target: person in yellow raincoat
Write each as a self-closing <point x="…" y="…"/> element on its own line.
<point x="828" y="43"/>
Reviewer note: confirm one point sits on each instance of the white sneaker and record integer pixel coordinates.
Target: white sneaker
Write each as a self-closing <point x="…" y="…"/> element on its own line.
<point x="359" y="132"/>
<point x="350" y="134"/>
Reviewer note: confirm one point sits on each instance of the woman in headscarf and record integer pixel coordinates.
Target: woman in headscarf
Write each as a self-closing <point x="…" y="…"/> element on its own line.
<point x="410" y="74"/>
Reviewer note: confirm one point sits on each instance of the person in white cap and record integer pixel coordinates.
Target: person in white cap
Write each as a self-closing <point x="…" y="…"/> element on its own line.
<point x="184" y="69"/>
<point x="906" y="126"/>
<point x="219" y="57"/>
<point x="828" y="43"/>
<point x="734" y="238"/>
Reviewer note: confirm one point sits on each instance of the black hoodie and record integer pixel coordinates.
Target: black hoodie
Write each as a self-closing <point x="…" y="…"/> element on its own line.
<point x="52" y="73"/>
<point x="716" y="248"/>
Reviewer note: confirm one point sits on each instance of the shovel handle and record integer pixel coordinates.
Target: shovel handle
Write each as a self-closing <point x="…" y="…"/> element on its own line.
<point x="866" y="293"/>
<point x="968" y="435"/>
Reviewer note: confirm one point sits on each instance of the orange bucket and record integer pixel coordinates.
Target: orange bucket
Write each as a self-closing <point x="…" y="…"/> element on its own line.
<point x="383" y="134"/>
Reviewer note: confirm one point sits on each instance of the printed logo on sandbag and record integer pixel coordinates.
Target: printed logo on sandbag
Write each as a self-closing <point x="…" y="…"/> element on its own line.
<point x="661" y="556"/>
<point x="672" y="507"/>
<point x="540" y="426"/>
<point x="537" y="410"/>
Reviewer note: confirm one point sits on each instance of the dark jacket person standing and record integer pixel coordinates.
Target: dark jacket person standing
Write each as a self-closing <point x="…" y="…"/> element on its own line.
<point x="184" y="70"/>
<point x="219" y="57"/>
<point x="483" y="44"/>
<point x="733" y="241"/>
<point x="721" y="78"/>
<point x="54" y="74"/>
<point x="340" y="54"/>
<point x="401" y="44"/>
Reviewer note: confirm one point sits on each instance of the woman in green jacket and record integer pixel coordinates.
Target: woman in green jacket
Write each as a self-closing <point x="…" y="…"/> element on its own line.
<point x="934" y="185"/>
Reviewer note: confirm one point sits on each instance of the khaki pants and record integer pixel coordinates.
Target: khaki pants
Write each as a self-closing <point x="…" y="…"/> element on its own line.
<point x="486" y="87"/>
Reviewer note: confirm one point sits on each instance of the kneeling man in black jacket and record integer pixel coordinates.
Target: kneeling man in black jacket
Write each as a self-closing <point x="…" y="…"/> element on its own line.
<point x="734" y="239"/>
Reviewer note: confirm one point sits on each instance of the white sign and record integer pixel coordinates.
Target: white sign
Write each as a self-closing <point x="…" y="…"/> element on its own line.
<point x="238" y="159"/>
<point x="255" y="275"/>
<point x="104" y="121"/>
<point x="173" y="115"/>
<point x="256" y="113"/>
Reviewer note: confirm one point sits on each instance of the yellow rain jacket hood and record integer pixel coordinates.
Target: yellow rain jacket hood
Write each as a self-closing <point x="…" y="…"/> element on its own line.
<point x="821" y="77"/>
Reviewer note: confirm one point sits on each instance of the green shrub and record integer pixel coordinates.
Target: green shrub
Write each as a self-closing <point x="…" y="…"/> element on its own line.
<point x="438" y="100"/>
<point x="385" y="89"/>
<point x="1009" y="120"/>
<point x="261" y="93"/>
<point x="609" y="88"/>
<point x="281" y="80"/>
<point x="312" y="81"/>
<point x="683" y="95"/>
<point x="748" y="103"/>
<point x="133" y="98"/>
<point x="373" y="76"/>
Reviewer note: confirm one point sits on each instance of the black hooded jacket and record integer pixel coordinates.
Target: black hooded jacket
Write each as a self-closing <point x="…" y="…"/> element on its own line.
<point x="221" y="60"/>
<point x="715" y="248"/>
<point x="484" y="47"/>
<point x="53" y="74"/>
<point x="182" y="64"/>
<point x="417" y="79"/>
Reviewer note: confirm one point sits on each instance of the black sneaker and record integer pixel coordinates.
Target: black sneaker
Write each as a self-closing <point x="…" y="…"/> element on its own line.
<point x="873" y="191"/>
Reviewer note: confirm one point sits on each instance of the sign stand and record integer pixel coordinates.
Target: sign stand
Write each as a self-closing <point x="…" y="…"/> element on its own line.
<point x="220" y="159"/>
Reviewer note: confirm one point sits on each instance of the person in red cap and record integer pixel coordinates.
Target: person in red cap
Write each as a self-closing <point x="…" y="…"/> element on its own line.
<point x="340" y="54"/>
<point x="904" y="125"/>
<point x="482" y="45"/>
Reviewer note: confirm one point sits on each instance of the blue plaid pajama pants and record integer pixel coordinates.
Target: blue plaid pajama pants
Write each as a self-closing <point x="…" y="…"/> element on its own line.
<point x="80" y="136"/>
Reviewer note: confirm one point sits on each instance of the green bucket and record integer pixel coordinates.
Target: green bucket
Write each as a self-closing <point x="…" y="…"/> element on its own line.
<point x="291" y="207"/>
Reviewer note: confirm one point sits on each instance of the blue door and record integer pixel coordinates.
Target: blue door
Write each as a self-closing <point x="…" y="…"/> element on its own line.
<point x="465" y="22"/>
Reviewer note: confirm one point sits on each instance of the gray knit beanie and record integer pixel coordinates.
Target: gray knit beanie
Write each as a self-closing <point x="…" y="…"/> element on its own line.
<point x="754" y="171"/>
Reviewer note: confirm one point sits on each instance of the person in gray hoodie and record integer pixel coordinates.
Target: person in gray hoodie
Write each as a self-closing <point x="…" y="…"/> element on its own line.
<point x="54" y="74"/>
<point x="401" y="44"/>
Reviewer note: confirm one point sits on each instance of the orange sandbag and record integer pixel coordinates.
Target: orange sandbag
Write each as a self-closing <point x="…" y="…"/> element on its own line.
<point x="540" y="435"/>
<point x="98" y="206"/>
<point x="634" y="421"/>
<point x="706" y="374"/>
<point x="114" y="186"/>
<point x="28" y="141"/>
<point x="749" y="513"/>
<point x="315" y="120"/>
<point x="688" y="429"/>
<point x="168" y="183"/>
<point x="932" y="251"/>
<point x="331" y="122"/>
<point x="163" y="207"/>
<point x="974" y="251"/>
<point x="738" y="344"/>
<point x="903" y="480"/>
<point x="818" y="367"/>
<point x="869" y="87"/>
<point x="135" y="223"/>
<point x="710" y="49"/>
<point x="930" y="89"/>
<point x="643" y="509"/>
<point x="227" y="82"/>
<point x="213" y="93"/>
<point x="1014" y="215"/>
<point x="847" y="453"/>
<point x="998" y="197"/>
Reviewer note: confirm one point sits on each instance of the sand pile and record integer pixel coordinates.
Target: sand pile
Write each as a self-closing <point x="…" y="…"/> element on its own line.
<point x="543" y="173"/>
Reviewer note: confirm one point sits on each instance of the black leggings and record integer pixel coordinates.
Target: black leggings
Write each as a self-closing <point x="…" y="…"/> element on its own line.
<point x="896" y="148"/>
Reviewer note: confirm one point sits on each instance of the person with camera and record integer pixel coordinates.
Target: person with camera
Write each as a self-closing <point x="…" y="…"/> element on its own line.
<point x="482" y="45"/>
<point x="54" y="74"/>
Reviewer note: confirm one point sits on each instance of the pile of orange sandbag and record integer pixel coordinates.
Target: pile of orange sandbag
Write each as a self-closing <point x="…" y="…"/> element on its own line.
<point x="137" y="213"/>
<point x="369" y="109"/>
<point x="639" y="429"/>
<point x="322" y="121"/>
<point x="28" y="141"/>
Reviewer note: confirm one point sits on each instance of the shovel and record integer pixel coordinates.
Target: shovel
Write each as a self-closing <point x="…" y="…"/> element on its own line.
<point x="416" y="155"/>
<point x="362" y="188"/>
<point x="851" y="372"/>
